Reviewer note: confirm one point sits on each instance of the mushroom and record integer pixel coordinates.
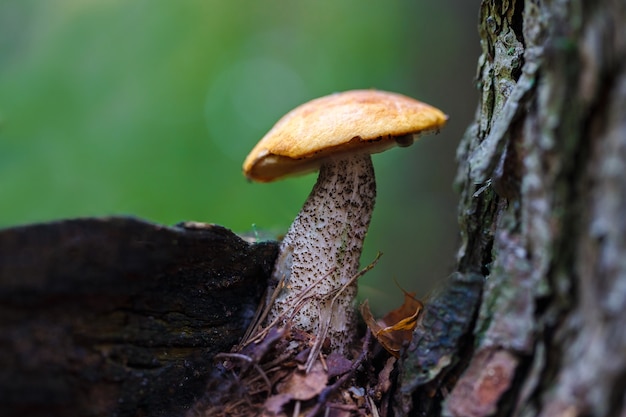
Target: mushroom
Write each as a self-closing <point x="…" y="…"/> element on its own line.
<point x="319" y="256"/>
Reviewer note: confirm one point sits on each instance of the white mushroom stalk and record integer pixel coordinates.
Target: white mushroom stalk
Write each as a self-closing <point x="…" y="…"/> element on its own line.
<point x="321" y="251"/>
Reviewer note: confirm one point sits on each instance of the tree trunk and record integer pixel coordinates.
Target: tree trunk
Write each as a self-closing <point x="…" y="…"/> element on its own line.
<point x="542" y="178"/>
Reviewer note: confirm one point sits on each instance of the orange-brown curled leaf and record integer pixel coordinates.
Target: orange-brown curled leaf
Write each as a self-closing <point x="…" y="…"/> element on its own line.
<point x="409" y="309"/>
<point x="396" y="328"/>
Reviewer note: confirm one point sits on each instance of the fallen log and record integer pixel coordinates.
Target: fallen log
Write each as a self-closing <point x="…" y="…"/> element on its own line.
<point x="117" y="316"/>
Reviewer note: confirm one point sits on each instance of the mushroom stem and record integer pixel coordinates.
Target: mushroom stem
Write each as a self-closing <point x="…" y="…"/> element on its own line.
<point x="322" y="249"/>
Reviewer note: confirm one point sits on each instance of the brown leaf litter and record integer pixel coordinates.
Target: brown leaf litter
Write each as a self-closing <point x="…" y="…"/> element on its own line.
<point x="283" y="371"/>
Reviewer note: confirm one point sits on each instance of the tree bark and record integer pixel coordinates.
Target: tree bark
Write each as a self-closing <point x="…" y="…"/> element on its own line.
<point x="542" y="179"/>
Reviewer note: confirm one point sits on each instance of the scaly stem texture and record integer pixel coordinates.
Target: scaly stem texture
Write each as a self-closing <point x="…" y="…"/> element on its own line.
<point x="322" y="249"/>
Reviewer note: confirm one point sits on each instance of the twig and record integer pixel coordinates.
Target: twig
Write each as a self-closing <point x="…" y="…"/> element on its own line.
<point x="324" y="322"/>
<point x="326" y="392"/>
<point x="298" y="303"/>
<point x="251" y="362"/>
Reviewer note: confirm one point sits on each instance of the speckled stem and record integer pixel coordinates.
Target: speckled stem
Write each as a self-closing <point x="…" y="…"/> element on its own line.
<point x="325" y="240"/>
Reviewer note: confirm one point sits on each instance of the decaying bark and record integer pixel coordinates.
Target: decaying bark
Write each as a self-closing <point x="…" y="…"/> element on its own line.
<point x="542" y="178"/>
<point x="102" y="317"/>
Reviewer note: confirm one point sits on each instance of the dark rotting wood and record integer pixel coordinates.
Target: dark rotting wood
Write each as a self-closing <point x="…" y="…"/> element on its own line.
<point x="118" y="316"/>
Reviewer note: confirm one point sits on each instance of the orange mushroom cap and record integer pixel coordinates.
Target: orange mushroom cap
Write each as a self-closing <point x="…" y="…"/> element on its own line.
<point x="368" y="121"/>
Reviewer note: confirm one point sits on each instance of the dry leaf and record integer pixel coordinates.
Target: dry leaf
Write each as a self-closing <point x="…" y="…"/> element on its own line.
<point x="397" y="326"/>
<point x="337" y="364"/>
<point x="274" y="404"/>
<point x="408" y="311"/>
<point x="304" y="386"/>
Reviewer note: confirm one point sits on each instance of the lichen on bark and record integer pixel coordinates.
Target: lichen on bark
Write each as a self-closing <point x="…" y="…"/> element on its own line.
<point x="542" y="184"/>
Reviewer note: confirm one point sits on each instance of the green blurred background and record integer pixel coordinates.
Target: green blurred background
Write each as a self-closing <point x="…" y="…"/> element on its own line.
<point x="148" y="108"/>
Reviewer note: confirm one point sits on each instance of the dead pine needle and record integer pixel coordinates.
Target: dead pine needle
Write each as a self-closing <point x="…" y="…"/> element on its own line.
<point x="324" y="321"/>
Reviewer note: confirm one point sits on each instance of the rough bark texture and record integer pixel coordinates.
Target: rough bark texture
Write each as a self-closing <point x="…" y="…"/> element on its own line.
<point x="103" y="317"/>
<point x="542" y="178"/>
